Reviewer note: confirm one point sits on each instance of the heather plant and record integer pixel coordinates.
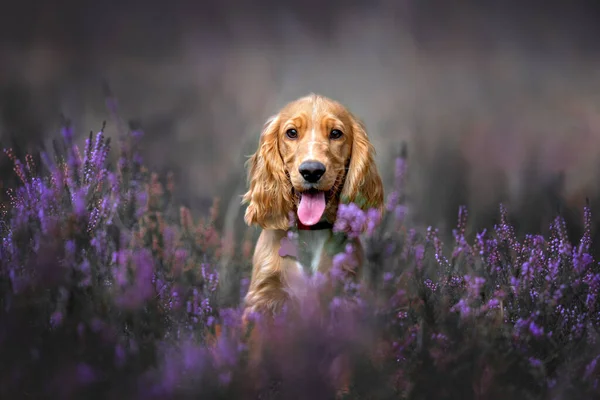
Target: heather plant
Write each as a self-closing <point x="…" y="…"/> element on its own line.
<point x="92" y="277"/>
<point x="111" y="290"/>
<point x="500" y="316"/>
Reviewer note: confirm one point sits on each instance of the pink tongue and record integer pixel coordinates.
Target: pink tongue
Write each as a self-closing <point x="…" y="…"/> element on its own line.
<point x="311" y="208"/>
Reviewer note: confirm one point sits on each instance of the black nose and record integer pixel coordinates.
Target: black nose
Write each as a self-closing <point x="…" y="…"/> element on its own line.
<point x="311" y="171"/>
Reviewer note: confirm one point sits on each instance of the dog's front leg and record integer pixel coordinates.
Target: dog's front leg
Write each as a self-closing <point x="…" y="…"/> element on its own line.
<point x="267" y="294"/>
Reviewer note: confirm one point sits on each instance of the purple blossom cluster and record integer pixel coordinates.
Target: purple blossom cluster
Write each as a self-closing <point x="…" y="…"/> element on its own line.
<point x="353" y="221"/>
<point x="109" y="289"/>
<point x="90" y="267"/>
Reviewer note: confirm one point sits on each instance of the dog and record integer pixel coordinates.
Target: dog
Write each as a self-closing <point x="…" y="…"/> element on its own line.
<point x="311" y="155"/>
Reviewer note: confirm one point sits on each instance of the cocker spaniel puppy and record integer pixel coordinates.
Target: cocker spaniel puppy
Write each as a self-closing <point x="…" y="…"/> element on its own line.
<point x="312" y="154"/>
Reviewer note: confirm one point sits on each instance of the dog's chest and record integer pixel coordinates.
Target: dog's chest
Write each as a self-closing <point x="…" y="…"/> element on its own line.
<point x="311" y="249"/>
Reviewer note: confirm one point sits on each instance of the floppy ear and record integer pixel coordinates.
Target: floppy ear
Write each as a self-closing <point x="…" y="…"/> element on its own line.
<point x="269" y="196"/>
<point x="363" y="184"/>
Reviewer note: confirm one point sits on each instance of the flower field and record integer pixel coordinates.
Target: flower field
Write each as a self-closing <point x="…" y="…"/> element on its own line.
<point x="108" y="289"/>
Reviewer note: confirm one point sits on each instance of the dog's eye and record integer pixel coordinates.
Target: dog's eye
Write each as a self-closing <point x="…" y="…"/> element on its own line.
<point x="291" y="133"/>
<point x="335" y="134"/>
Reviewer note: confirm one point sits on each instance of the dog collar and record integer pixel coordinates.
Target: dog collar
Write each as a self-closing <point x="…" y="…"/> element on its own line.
<point x="316" y="227"/>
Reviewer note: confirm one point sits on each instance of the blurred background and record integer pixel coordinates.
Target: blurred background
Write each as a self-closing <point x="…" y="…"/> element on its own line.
<point x="497" y="100"/>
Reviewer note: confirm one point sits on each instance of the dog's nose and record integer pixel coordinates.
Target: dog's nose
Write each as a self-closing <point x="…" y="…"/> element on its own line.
<point x="311" y="171"/>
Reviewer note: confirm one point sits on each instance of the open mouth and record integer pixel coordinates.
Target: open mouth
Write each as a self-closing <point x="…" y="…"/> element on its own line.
<point x="312" y="206"/>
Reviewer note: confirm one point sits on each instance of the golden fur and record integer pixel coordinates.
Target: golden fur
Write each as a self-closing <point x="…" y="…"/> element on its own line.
<point x="275" y="182"/>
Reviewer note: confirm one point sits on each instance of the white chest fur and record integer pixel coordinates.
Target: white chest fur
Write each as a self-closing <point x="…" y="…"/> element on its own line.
<point x="311" y="246"/>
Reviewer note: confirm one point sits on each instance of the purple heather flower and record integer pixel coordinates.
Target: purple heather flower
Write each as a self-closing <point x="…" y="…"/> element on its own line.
<point x="120" y="269"/>
<point x="493" y="303"/>
<point x="85" y="373"/>
<point x="210" y="278"/>
<point x="552" y="270"/>
<point x="101" y="156"/>
<point x="227" y="352"/>
<point x="564" y="248"/>
<point x="593" y="282"/>
<point x="47" y="161"/>
<point x="225" y="378"/>
<point x="181" y="256"/>
<point x="455" y="281"/>
<point x="170" y="377"/>
<point x="393" y="199"/>
<point x="142" y="288"/>
<point x="122" y="163"/>
<point x="137" y="134"/>
<point x="119" y="355"/>
<point x="558" y="293"/>
<point x="373" y="219"/>
<point x="419" y="253"/>
<point x="161" y="287"/>
<point x="535" y="330"/>
<point x="462" y="308"/>
<point x="430" y="285"/>
<point x="80" y="329"/>
<point x="205" y="306"/>
<point x="586" y="239"/>
<point x="67" y="133"/>
<point x="460" y="247"/>
<point x="432" y="236"/>
<point x="133" y="346"/>
<point x="56" y="319"/>
<point x="175" y="302"/>
<point x="353" y="221"/>
<point x="591" y="368"/>
<point x="527" y="271"/>
<point x="335" y="304"/>
<point x="475" y="284"/>
<point x="581" y="261"/>
<point x="400" y="169"/>
<point x="400" y="212"/>
<point x="70" y="249"/>
<point x="79" y="202"/>
<point x="113" y="180"/>
<point x="85" y="269"/>
<point x="514" y="284"/>
<point x="137" y="158"/>
<point x="96" y="325"/>
<point x="536" y="363"/>
<point x="230" y="317"/>
<point x="343" y="261"/>
<point x="94" y="218"/>
<point x="97" y="148"/>
<point x="462" y="222"/>
<point x="193" y="357"/>
<point x="244" y="285"/>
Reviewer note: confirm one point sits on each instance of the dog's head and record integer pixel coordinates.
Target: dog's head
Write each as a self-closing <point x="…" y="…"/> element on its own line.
<point x="311" y="155"/>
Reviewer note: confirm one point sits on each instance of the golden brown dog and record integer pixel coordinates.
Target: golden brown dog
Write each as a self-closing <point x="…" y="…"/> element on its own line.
<point x="313" y="153"/>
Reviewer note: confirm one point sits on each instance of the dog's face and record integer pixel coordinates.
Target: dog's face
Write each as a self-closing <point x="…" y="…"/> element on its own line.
<point x="315" y="142"/>
<point x="310" y="154"/>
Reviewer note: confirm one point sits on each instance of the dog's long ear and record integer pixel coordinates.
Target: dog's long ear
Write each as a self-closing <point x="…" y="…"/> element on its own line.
<point x="363" y="184"/>
<point x="269" y="196"/>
